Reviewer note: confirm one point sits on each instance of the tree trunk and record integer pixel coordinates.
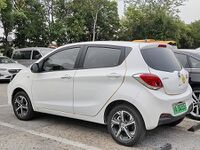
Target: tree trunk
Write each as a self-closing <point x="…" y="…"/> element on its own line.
<point x="94" y="27"/>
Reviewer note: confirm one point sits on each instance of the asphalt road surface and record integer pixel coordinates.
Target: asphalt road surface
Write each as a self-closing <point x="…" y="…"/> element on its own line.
<point x="48" y="132"/>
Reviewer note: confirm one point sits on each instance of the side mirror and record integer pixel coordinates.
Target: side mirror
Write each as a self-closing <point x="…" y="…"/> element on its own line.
<point x="35" y="68"/>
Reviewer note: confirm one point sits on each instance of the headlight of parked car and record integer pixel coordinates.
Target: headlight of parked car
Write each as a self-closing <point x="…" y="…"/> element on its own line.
<point x="14" y="71"/>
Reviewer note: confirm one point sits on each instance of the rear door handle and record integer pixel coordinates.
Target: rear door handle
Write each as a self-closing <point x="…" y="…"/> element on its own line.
<point x="114" y="75"/>
<point x="67" y="76"/>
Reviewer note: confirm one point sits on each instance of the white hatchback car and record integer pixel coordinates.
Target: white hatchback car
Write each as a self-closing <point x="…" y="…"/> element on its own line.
<point x="131" y="87"/>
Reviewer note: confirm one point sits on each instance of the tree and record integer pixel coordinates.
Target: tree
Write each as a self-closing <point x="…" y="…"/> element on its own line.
<point x="195" y="29"/>
<point x="6" y="17"/>
<point x="69" y="15"/>
<point x="139" y="24"/>
<point x="155" y="20"/>
<point x="29" y="23"/>
<point x="79" y="22"/>
<point x="169" y="6"/>
<point x="184" y="35"/>
<point x="2" y="4"/>
<point x="95" y="6"/>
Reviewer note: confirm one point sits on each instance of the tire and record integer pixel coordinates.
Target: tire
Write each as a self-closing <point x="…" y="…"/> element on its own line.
<point x="115" y="124"/>
<point x="22" y="106"/>
<point x="175" y="123"/>
<point x="196" y="104"/>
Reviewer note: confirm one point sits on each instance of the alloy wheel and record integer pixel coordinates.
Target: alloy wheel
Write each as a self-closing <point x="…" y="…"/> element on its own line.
<point x="21" y="106"/>
<point x="123" y="125"/>
<point x="196" y="103"/>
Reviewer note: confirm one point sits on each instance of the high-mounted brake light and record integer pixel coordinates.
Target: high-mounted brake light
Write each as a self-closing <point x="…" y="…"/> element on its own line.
<point x="162" y="45"/>
<point x="149" y="80"/>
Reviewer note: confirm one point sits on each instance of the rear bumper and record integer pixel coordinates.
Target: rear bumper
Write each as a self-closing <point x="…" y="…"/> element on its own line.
<point x="168" y="118"/>
<point x="154" y="103"/>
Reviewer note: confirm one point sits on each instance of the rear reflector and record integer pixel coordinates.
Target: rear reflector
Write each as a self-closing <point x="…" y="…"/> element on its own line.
<point x="162" y="45"/>
<point x="149" y="80"/>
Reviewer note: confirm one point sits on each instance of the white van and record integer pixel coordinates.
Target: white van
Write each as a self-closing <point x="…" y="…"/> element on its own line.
<point x="27" y="56"/>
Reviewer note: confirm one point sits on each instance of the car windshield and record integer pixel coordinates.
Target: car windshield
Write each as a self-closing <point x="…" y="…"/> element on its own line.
<point x="5" y="60"/>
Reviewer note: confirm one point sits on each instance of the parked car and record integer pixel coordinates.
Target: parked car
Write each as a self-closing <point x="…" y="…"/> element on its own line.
<point x="130" y="87"/>
<point x="27" y="56"/>
<point x="190" y="59"/>
<point x="9" y="68"/>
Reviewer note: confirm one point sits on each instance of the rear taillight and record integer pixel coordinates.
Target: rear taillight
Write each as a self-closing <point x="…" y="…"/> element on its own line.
<point x="149" y="80"/>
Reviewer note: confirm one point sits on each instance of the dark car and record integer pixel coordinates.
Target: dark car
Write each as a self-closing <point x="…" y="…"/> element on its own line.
<point x="190" y="59"/>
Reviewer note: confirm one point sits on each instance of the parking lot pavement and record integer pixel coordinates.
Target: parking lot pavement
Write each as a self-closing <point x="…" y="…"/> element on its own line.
<point x="48" y="132"/>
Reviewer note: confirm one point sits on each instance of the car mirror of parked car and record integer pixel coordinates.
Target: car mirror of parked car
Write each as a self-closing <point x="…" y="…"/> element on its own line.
<point x="35" y="68"/>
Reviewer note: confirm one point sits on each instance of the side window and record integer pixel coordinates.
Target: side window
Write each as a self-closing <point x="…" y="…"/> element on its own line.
<point x="194" y="62"/>
<point x="36" y="55"/>
<point x="63" y="60"/>
<point x="22" y="55"/>
<point x="182" y="59"/>
<point x="98" y="57"/>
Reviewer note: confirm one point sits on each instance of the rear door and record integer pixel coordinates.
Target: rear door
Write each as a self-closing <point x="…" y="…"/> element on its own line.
<point x="100" y="75"/>
<point x="163" y="63"/>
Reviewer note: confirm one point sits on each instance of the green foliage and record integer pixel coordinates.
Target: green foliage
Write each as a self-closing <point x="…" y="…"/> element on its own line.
<point x="38" y="23"/>
<point x="195" y="33"/>
<point x="77" y="19"/>
<point x="6" y="17"/>
<point x="169" y="6"/>
<point x="139" y="24"/>
<point x="2" y="4"/>
<point x="157" y="20"/>
<point x="29" y="23"/>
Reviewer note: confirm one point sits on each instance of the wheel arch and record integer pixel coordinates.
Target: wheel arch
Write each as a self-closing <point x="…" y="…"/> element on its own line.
<point x="18" y="89"/>
<point x="117" y="103"/>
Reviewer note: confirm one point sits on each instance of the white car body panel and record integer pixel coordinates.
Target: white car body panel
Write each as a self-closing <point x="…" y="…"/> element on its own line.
<point x="58" y="85"/>
<point x="90" y="90"/>
<point x="89" y="101"/>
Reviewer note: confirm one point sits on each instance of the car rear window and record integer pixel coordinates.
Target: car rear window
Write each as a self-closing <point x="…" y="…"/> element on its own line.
<point x="162" y="59"/>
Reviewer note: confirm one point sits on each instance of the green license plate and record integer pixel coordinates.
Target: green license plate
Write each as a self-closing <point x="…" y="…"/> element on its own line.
<point x="179" y="108"/>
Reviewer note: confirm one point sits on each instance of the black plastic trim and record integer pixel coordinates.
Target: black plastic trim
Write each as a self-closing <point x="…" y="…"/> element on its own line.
<point x="169" y="118"/>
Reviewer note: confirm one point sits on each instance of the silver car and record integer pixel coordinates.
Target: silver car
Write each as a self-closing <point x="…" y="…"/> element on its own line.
<point x="190" y="60"/>
<point x="27" y="56"/>
<point x="9" y="68"/>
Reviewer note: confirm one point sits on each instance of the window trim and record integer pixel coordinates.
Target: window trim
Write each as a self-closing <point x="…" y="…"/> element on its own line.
<point x="85" y="49"/>
<point x="41" y="63"/>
